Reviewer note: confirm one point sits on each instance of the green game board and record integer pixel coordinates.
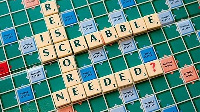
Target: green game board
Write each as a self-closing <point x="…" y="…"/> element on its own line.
<point x="169" y="89"/>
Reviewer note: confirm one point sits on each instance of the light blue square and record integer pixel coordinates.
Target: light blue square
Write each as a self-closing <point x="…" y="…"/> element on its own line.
<point x="69" y="18"/>
<point x="150" y="104"/>
<point x="98" y="55"/>
<point x="127" y="3"/>
<point x="28" y="45"/>
<point x="8" y="36"/>
<point x="36" y="74"/>
<point x="88" y="27"/>
<point x="118" y="109"/>
<point x="117" y="17"/>
<point x="129" y="94"/>
<point x="25" y="94"/>
<point x="171" y="109"/>
<point x="185" y="27"/>
<point x="148" y="54"/>
<point x="88" y="74"/>
<point x="128" y="45"/>
<point x="175" y="3"/>
<point x="166" y="17"/>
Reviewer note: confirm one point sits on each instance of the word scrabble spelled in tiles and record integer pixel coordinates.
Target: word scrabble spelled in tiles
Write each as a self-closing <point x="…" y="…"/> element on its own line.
<point x="79" y="45"/>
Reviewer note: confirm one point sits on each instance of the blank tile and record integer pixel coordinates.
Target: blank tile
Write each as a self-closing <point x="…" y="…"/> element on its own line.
<point x="42" y="39"/>
<point x="94" y="40"/>
<point x="138" y="26"/>
<point x="47" y="53"/>
<point x="109" y="35"/>
<point x="189" y="74"/>
<point x="63" y="49"/>
<point x="92" y="87"/>
<point x="77" y="93"/>
<point x="78" y="45"/>
<point x="49" y="8"/>
<point x="123" y="78"/>
<point x="168" y="64"/>
<point x="52" y="21"/>
<point x="108" y="83"/>
<point x="154" y="68"/>
<point x="152" y="21"/>
<point x="58" y="34"/>
<point x="123" y="30"/>
<point x="61" y="97"/>
<point x="71" y="78"/>
<point x="139" y="73"/>
<point x="67" y="64"/>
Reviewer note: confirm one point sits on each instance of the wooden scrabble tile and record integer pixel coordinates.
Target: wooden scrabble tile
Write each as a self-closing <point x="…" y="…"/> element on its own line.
<point x="49" y="8"/>
<point x="123" y="78"/>
<point x="152" y="21"/>
<point x="67" y="64"/>
<point x="154" y="68"/>
<point x="138" y="26"/>
<point x="108" y="83"/>
<point x="42" y="39"/>
<point x="94" y="40"/>
<point x="189" y="74"/>
<point x="63" y="49"/>
<point x="47" y="53"/>
<point x="92" y="87"/>
<point x="139" y="73"/>
<point x="124" y="30"/>
<point x="66" y="109"/>
<point x="77" y="93"/>
<point x="71" y="78"/>
<point x="61" y="97"/>
<point x="58" y="34"/>
<point x="52" y="21"/>
<point x="109" y="35"/>
<point x="78" y="44"/>
<point x="168" y="64"/>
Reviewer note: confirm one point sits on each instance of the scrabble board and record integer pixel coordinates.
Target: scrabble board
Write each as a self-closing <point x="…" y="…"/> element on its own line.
<point x="99" y="56"/>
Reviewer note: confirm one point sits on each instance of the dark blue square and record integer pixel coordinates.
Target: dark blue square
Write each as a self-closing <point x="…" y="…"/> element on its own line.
<point x="171" y="109"/>
<point x="127" y="3"/>
<point x="8" y="36"/>
<point x="88" y="74"/>
<point x="25" y="94"/>
<point x="148" y="54"/>
<point x="69" y="18"/>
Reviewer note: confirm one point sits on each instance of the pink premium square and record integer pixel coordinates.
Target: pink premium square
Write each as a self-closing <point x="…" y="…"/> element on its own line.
<point x="189" y="74"/>
<point x="31" y="3"/>
<point x="168" y="64"/>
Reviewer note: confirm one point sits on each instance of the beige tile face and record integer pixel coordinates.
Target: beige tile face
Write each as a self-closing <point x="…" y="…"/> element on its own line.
<point x="109" y="35"/>
<point x="58" y="34"/>
<point x="139" y="73"/>
<point x="94" y="40"/>
<point x="152" y="21"/>
<point x="67" y="64"/>
<point x="92" y="87"/>
<point x="78" y="45"/>
<point x="47" y="53"/>
<point x="52" y="21"/>
<point x="49" y="8"/>
<point x="63" y="49"/>
<point x="42" y="39"/>
<point x="77" y="93"/>
<point x="71" y="78"/>
<point x="124" y="30"/>
<point x="154" y="68"/>
<point x="138" y="26"/>
<point x="123" y="78"/>
<point x="108" y="83"/>
<point x="61" y="98"/>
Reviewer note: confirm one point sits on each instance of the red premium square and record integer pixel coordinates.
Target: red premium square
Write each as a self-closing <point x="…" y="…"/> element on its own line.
<point x="31" y="3"/>
<point x="168" y="64"/>
<point x="66" y="109"/>
<point x="189" y="74"/>
<point x="4" y="70"/>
